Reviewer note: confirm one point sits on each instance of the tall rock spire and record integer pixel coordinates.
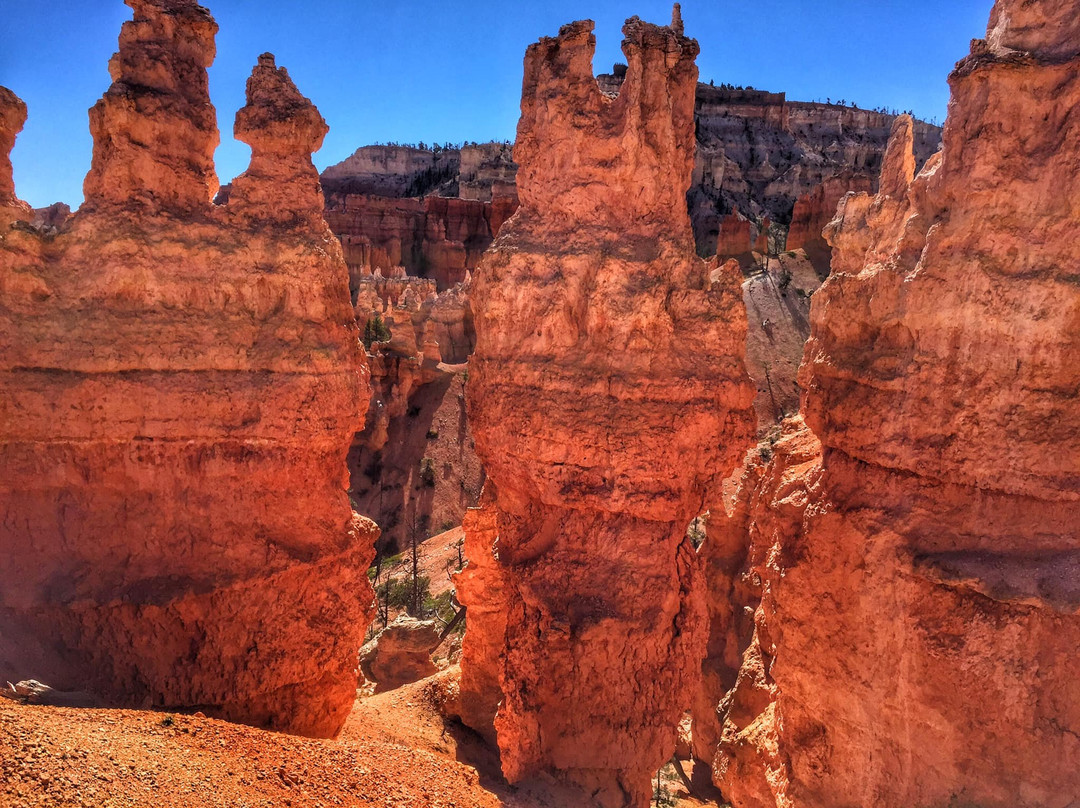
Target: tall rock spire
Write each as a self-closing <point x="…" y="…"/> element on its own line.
<point x="155" y="130"/>
<point x="12" y="118"/>
<point x="283" y="128"/>
<point x="609" y="400"/>
<point x="927" y="563"/>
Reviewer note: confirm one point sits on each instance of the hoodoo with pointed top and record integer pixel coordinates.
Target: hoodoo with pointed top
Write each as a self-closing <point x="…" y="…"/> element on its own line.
<point x="608" y="399"/>
<point x="180" y="383"/>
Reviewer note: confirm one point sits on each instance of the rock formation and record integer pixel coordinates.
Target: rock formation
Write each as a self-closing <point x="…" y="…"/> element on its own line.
<point x="917" y="620"/>
<point x="282" y="128"/>
<point x="155" y="130"/>
<point x="734" y="238"/>
<point x="413" y="467"/>
<point x="483" y="585"/>
<point x="12" y="119"/>
<point x="608" y="398"/>
<point x="180" y="385"/>
<point x="815" y="210"/>
<point x="401" y="654"/>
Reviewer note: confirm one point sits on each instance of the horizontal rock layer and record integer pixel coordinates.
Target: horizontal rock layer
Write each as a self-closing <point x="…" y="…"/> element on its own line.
<point x="180" y="384"/>
<point x="918" y="606"/>
<point x="608" y="398"/>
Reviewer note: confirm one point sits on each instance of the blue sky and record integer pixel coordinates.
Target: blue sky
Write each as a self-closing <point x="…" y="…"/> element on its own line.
<point x="411" y="70"/>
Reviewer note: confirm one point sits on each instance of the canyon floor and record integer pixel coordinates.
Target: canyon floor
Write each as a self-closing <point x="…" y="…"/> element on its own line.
<point x="395" y="750"/>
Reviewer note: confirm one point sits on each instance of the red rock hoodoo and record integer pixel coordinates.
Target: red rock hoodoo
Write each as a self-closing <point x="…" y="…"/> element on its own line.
<point x="735" y="239"/>
<point x="12" y="118"/>
<point x="180" y="384"/>
<point x="482" y="584"/>
<point x="816" y="209"/>
<point x="917" y="578"/>
<point x="608" y="398"/>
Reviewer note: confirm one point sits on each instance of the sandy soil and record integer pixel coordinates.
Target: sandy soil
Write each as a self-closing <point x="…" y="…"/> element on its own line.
<point x="396" y="750"/>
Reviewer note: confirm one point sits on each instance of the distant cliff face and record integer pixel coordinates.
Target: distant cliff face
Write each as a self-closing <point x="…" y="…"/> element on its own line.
<point x="435" y="237"/>
<point x="757" y="153"/>
<point x="432" y="211"/>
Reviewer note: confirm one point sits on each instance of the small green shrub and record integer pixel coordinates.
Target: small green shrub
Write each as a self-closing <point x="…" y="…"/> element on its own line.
<point x="433" y="433"/>
<point x="427" y="472"/>
<point x="441" y="606"/>
<point x="768" y="444"/>
<point x="375" y="331"/>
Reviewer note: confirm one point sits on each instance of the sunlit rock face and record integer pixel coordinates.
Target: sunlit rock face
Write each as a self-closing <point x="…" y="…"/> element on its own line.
<point x="483" y="586"/>
<point x="815" y="210"/>
<point x="608" y="400"/>
<point x="179" y="385"/>
<point x="12" y="119"/>
<point x="918" y="612"/>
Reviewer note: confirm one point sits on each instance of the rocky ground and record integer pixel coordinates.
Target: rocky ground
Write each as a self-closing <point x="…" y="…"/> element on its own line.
<point x="395" y="750"/>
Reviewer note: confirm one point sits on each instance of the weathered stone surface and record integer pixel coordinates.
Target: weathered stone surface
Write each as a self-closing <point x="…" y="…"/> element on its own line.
<point x="484" y="587"/>
<point x="413" y="467"/>
<point x="401" y="653"/>
<point x="609" y="399"/>
<point x="155" y="130"/>
<point x="179" y="385"/>
<point x="815" y="210"/>
<point x="51" y="218"/>
<point x="919" y="607"/>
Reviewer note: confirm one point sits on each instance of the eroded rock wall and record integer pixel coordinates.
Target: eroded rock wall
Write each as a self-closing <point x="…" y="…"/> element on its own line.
<point x="814" y="211"/>
<point x="413" y="467"/>
<point x="180" y="384"/>
<point x="432" y="237"/>
<point x="918" y="611"/>
<point x="609" y="399"/>
<point x="12" y="119"/>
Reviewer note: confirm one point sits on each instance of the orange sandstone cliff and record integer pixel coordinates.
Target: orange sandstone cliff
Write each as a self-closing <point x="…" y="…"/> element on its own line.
<point x="815" y="210"/>
<point x="608" y="399"/>
<point x="413" y="468"/>
<point x="917" y="597"/>
<point x="179" y="386"/>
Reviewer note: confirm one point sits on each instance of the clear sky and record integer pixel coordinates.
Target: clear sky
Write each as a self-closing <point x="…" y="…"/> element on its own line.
<point x="412" y="70"/>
